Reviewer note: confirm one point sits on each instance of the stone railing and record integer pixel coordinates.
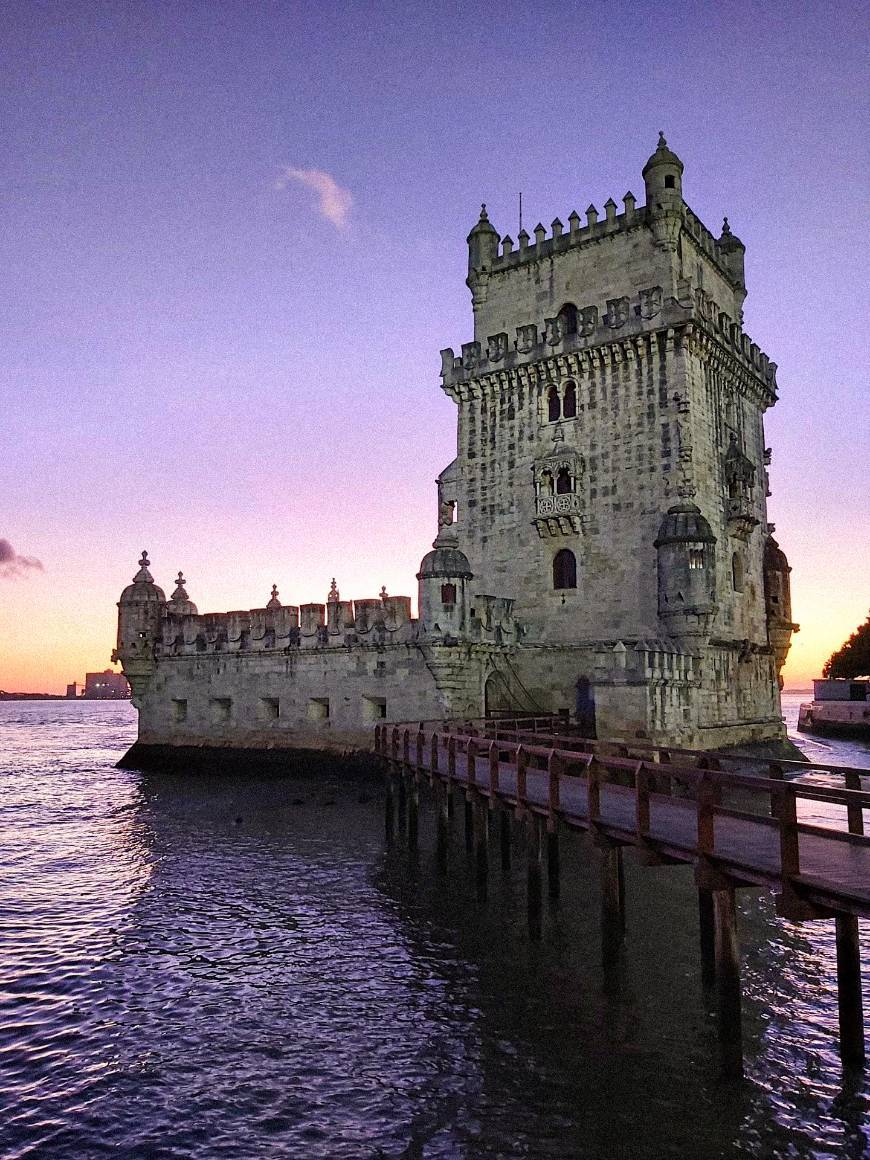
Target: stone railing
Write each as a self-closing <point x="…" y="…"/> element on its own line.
<point x="558" y="505"/>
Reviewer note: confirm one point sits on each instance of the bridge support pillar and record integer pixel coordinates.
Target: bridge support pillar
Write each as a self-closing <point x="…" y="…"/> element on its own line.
<point x="481" y="845"/>
<point x="728" y="998"/>
<point x="390" y="808"/>
<point x="612" y="892"/>
<point x="852" y="1051"/>
<point x="402" y="799"/>
<point x="413" y="810"/>
<point x="504" y="835"/>
<point x="534" y="832"/>
<point x="707" y="926"/>
<point x="553" y="865"/>
<point x="442" y="822"/>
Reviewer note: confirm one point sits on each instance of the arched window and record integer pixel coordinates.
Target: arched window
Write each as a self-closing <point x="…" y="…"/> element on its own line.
<point x="568" y="319"/>
<point x="563" y="481"/>
<point x="448" y="593"/>
<point x="564" y="569"/>
<point x="569" y="401"/>
<point x="554" y="409"/>
<point x="737" y="572"/>
<point x="546" y="483"/>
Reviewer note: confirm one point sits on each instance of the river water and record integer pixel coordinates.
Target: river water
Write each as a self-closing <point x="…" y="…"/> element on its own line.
<point x="212" y="967"/>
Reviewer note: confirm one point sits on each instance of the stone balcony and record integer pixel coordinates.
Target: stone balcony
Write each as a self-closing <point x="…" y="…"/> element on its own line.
<point x="557" y="515"/>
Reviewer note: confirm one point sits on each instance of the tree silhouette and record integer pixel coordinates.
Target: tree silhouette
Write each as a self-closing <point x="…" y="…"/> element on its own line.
<point x="853" y="658"/>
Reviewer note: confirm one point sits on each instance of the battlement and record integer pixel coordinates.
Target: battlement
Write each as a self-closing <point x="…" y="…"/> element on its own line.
<point x="338" y="623"/>
<point x="596" y="325"/>
<point x="597" y="229"/>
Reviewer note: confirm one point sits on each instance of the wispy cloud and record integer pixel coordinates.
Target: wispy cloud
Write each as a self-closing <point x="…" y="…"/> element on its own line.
<point x="335" y="202"/>
<point x="11" y="564"/>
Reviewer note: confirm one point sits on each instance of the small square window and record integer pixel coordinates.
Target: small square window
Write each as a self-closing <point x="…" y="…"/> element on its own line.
<point x="374" y="708"/>
<point x="221" y="709"/>
<point x="179" y="709"/>
<point x="318" y="708"/>
<point x="269" y="708"/>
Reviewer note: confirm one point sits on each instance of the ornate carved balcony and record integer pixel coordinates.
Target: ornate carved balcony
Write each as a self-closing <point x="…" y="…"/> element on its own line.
<point x="557" y="515"/>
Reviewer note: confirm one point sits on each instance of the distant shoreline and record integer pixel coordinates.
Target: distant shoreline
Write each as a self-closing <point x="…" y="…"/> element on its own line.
<point x="53" y="697"/>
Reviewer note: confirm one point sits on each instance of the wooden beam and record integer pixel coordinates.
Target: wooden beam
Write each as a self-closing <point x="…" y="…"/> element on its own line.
<point x="728" y="995"/>
<point x="849" y="1002"/>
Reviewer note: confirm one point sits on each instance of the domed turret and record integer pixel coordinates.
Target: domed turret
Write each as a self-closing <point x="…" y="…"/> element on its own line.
<point x="443" y="597"/>
<point x="180" y="603"/>
<point x="140" y="611"/>
<point x="663" y="177"/>
<point x="732" y="252"/>
<point x="273" y="601"/>
<point x="482" y="243"/>
<point x="663" y="172"/>
<point x="686" y="550"/>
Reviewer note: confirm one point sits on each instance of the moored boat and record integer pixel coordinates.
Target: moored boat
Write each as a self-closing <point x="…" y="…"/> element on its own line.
<point x="839" y="708"/>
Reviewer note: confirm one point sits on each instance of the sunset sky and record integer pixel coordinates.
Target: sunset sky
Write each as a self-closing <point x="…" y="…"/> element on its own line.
<point x="233" y="243"/>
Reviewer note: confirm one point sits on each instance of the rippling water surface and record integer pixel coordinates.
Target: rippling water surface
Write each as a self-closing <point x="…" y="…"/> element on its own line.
<point x="214" y="967"/>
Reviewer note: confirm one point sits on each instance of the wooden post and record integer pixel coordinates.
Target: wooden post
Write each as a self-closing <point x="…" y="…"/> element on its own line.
<point x="612" y="890"/>
<point x="481" y="845"/>
<point x="504" y="831"/>
<point x="728" y="982"/>
<point x="471" y="761"/>
<point x="854" y="811"/>
<point x="390" y="810"/>
<point x="553" y="863"/>
<point x="533" y="875"/>
<point x="406" y="747"/>
<point x="522" y="788"/>
<point x="493" y="770"/>
<point x="442" y="823"/>
<point x="708" y="937"/>
<point x="402" y="799"/>
<point x="433" y="755"/>
<point x="413" y="810"/>
<point x="593" y="791"/>
<point x="849" y="1000"/>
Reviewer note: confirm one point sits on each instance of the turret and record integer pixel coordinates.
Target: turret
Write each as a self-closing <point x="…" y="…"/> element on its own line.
<point x="482" y="245"/>
<point x="732" y="253"/>
<point x="686" y="550"/>
<point x="443" y="591"/>
<point x="663" y="178"/>
<point x="140" y="611"/>
<point x="777" y="601"/>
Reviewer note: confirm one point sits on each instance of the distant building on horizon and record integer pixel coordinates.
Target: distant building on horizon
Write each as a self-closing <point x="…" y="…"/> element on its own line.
<point x="72" y="691"/>
<point x="105" y="686"/>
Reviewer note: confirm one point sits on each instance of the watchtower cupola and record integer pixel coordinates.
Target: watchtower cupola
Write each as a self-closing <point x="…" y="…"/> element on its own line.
<point x="443" y="594"/>
<point x="663" y="176"/>
<point x="140" y="611"/>
<point x="482" y="243"/>
<point x="686" y="550"/>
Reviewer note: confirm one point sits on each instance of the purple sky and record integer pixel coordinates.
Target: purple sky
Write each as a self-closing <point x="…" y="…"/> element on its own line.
<point x="236" y="365"/>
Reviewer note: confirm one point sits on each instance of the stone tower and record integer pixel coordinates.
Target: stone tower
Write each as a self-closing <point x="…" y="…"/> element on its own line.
<point x="610" y="475"/>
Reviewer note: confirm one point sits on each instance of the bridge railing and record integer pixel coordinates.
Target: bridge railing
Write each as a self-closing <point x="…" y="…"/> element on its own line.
<point x="434" y="749"/>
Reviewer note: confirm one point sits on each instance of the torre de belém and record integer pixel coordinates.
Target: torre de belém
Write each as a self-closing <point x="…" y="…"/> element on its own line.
<point x="603" y="548"/>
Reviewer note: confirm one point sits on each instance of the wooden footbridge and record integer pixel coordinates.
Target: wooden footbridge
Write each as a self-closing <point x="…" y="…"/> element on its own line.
<point x="737" y="828"/>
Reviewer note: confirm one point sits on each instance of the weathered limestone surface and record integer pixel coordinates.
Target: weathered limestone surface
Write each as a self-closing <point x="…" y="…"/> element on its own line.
<point x="603" y="547"/>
